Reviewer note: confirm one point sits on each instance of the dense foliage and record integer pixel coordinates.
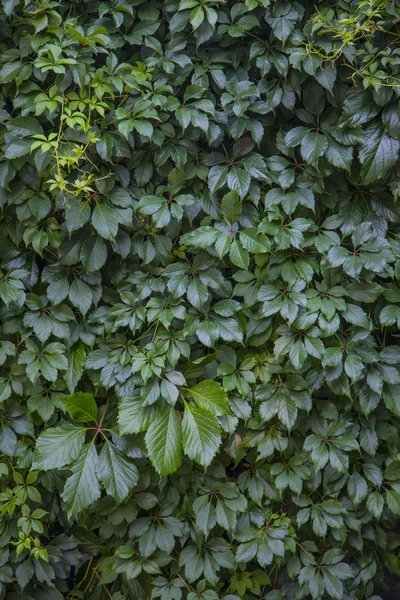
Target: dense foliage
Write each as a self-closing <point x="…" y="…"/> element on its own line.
<point x="200" y="286"/>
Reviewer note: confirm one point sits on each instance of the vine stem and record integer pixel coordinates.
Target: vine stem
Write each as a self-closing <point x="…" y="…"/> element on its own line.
<point x="104" y="414"/>
<point x="186" y="584"/>
<point x="305" y="551"/>
<point x="276" y="576"/>
<point x="104" y="586"/>
<point x="90" y="580"/>
<point x="257" y="38"/>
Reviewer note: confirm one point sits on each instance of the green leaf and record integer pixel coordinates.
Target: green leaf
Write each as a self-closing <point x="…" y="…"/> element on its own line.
<point x="353" y="366"/>
<point x="375" y="504"/>
<point x="238" y="255"/>
<point x="287" y="410"/>
<point x="133" y="417"/>
<point x="143" y="127"/>
<point x="9" y="71"/>
<point x="231" y="207"/>
<point x="393" y="501"/>
<point x="24" y="126"/>
<point x="297" y="354"/>
<point x="200" y="242"/>
<point x="339" y="156"/>
<point x="217" y="177"/>
<point x="200" y="435"/>
<point x="80" y="295"/>
<point x="58" y="446"/>
<point x="116" y="472"/>
<point x="247" y="551"/>
<point x="211" y="396"/>
<point x="82" y="488"/>
<point x="93" y="253"/>
<point x="225" y="516"/>
<point x="76" y="363"/>
<point x="17" y="149"/>
<point x="196" y="17"/>
<point x="378" y="154"/>
<point x="254" y="241"/>
<point x="201" y="237"/>
<point x="105" y="220"/>
<point x="359" y="107"/>
<point x="8" y="440"/>
<point x="164" y="442"/>
<point x="358" y="489"/>
<point x="205" y="513"/>
<point x="197" y="292"/>
<point x="81" y="407"/>
<point x="9" y="6"/>
<point x="313" y="147"/>
<point x="239" y="180"/>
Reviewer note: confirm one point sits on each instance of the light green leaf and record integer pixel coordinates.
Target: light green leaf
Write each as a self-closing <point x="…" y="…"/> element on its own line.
<point x="200" y="435"/>
<point x="164" y="442"/>
<point x="211" y="396"/>
<point x="81" y="407"/>
<point x="196" y="17"/>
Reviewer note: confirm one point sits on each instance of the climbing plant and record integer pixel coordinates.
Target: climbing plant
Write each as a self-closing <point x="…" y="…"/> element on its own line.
<point x="200" y="299"/>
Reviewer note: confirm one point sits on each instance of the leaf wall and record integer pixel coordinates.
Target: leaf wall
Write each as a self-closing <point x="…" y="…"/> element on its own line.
<point x="200" y="299"/>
